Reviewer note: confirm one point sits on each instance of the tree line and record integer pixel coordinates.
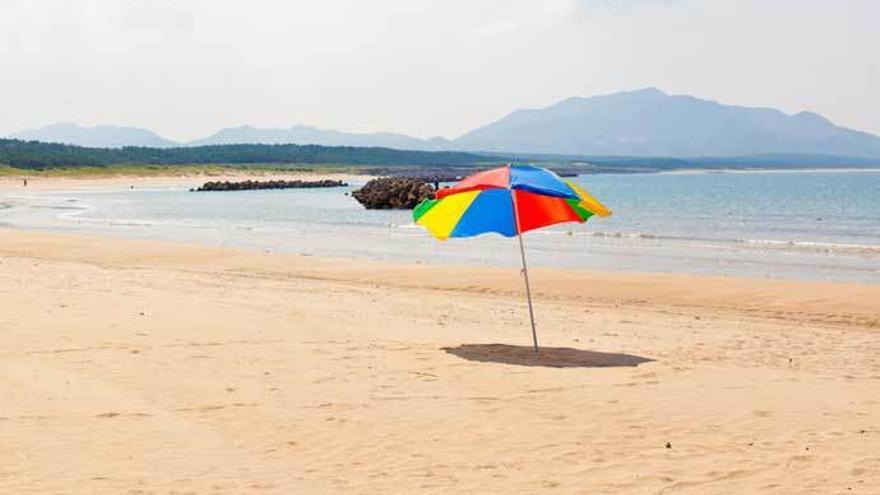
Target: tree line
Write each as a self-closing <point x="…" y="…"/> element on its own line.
<point x="37" y="155"/>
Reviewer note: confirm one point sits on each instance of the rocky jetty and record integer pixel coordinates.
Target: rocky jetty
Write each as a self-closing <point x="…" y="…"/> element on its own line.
<point x="393" y="193"/>
<point x="249" y="185"/>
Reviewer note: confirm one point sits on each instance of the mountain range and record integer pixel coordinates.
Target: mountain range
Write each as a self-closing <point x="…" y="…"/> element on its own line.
<point x="102" y="136"/>
<point x="646" y="122"/>
<point x="303" y="134"/>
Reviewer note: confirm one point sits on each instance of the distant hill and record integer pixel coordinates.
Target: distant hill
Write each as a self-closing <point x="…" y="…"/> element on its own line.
<point x="303" y="134"/>
<point x="102" y="136"/>
<point x="644" y="123"/>
<point x="650" y="123"/>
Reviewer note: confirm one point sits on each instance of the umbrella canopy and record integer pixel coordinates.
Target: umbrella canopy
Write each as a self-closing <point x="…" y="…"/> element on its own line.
<point x="507" y="200"/>
<point x="485" y="202"/>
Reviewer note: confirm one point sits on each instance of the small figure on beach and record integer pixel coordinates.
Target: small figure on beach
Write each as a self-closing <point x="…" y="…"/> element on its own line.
<point x="25" y="182"/>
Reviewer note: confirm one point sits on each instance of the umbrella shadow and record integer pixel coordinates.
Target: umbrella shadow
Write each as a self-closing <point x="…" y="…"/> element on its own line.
<point x="553" y="357"/>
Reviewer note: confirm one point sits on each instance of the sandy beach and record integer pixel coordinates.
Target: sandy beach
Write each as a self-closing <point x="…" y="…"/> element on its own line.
<point x="573" y="247"/>
<point x="117" y="181"/>
<point x="140" y="367"/>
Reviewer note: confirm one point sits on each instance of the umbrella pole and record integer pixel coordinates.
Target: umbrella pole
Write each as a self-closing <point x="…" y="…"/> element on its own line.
<point x="525" y="270"/>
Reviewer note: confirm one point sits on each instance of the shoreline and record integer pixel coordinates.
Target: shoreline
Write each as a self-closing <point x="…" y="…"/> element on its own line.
<point x="620" y="248"/>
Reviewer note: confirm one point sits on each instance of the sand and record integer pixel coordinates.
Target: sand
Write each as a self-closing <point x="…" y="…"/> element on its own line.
<point x="136" y="367"/>
<point x="184" y="179"/>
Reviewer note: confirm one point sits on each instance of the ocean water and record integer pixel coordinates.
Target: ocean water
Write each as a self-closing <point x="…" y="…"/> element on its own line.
<point x="820" y="225"/>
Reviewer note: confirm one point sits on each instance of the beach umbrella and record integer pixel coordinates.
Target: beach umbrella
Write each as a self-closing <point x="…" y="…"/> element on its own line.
<point x="507" y="200"/>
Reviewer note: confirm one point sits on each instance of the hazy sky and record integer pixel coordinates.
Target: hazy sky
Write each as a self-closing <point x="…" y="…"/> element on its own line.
<point x="186" y="68"/>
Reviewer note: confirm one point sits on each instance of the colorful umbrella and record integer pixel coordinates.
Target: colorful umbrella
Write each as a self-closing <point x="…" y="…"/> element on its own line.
<point x="507" y="200"/>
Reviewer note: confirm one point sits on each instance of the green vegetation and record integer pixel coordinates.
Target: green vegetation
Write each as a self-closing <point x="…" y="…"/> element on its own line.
<point x="168" y="170"/>
<point x="33" y="155"/>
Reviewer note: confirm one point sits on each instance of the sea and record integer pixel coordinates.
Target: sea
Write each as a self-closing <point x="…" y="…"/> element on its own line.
<point x="805" y="224"/>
